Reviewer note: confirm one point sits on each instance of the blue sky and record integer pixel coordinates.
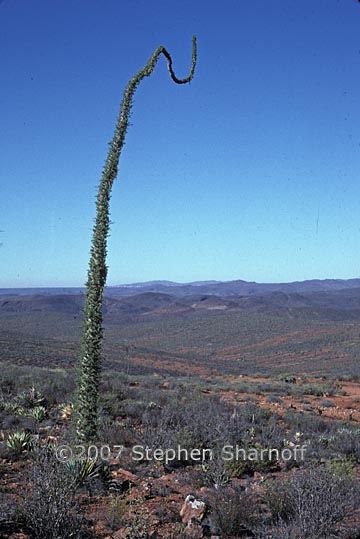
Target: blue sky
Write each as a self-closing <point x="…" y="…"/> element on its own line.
<point x="250" y="172"/>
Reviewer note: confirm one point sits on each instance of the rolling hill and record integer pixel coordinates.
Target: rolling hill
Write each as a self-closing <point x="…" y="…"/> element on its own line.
<point x="213" y="288"/>
<point x="342" y="304"/>
<point x="298" y="330"/>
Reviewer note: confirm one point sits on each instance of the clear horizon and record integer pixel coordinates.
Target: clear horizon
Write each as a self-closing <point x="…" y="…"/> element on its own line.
<point x="252" y="170"/>
<point x="178" y="283"/>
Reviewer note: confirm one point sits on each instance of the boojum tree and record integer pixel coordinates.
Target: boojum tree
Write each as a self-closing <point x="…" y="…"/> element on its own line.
<point x="89" y="368"/>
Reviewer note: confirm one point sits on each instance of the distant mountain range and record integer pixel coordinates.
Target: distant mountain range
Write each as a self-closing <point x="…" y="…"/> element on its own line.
<point x="232" y="288"/>
<point x="214" y="288"/>
<point x="327" y="300"/>
<point x="155" y="284"/>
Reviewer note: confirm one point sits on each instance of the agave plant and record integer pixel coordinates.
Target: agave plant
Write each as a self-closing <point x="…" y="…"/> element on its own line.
<point x="13" y="408"/>
<point x="19" y="442"/>
<point x="38" y="413"/>
<point x="30" y="398"/>
<point x="83" y="470"/>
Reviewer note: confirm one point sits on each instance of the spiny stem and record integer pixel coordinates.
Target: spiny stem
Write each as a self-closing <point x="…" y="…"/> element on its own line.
<point x="86" y="416"/>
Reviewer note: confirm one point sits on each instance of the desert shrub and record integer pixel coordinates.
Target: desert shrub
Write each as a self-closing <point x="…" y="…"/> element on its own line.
<point x="325" y="403"/>
<point x="112" y="404"/>
<point x="254" y="414"/>
<point x="308" y="424"/>
<point x="55" y="384"/>
<point x="274" y="399"/>
<point x="221" y="468"/>
<point x="129" y="514"/>
<point x="205" y="423"/>
<point x="188" y="419"/>
<point x="115" y="510"/>
<point x="280" y="388"/>
<point x="346" y="442"/>
<point x="194" y="421"/>
<point x="343" y="466"/>
<point x="49" y="508"/>
<point x="308" y="407"/>
<point x="7" y="380"/>
<point x="287" y="378"/>
<point x="58" y="386"/>
<point x="233" y="511"/>
<point x="140" y="526"/>
<point x="7" y="510"/>
<point x="272" y="433"/>
<point x="114" y="380"/>
<point x="134" y="409"/>
<point x="282" y="530"/>
<point x="278" y="499"/>
<point x="217" y="472"/>
<point x="349" y="377"/>
<point x="318" y="389"/>
<point x="253" y="425"/>
<point x="180" y="531"/>
<point x="112" y="432"/>
<point x="245" y="387"/>
<point x="314" y="501"/>
<point x="236" y="468"/>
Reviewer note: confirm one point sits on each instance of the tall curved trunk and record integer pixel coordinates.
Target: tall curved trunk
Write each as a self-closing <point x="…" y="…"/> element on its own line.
<point x="86" y="410"/>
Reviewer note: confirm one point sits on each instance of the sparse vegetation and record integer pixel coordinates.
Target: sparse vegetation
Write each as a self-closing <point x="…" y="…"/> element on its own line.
<point x="187" y="373"/>
<point x="313" y="502"/>
<point x="233" y="511"/>
<point x="152" y="397"/>
<point x="49" y="509"/>
<point x="165" y="412"/>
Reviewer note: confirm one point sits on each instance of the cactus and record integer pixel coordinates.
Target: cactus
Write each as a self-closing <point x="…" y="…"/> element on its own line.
<point x="86" y="416"/>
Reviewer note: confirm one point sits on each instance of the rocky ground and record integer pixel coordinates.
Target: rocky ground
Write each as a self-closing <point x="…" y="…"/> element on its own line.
<point x="151" y="499"/>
